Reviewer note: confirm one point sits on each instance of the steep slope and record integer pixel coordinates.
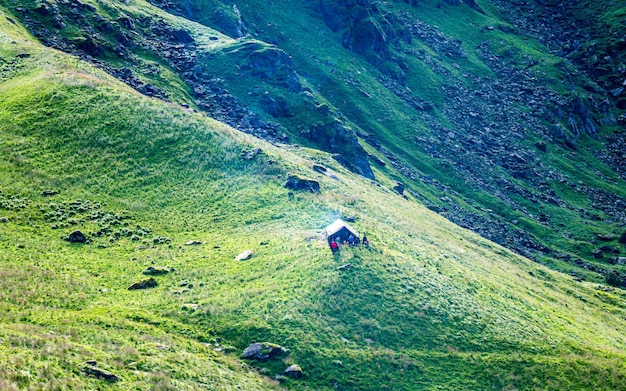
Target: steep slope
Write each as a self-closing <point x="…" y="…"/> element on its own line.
<point x="428" y="306"/>
<point x="476" y="119"/>
<point x="484" y="114"/>
<point x="67" y="126"/>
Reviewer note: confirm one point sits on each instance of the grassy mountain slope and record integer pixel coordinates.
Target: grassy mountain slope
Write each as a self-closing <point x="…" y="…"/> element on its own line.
<point x="427" y="106"/>
<point x="483" y="117"/>
<point x="471" y="105"/>
<point x="428" y="306"/>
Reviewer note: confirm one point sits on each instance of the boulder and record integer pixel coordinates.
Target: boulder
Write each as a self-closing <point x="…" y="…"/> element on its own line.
<point x="143" y="284"/>
<point x="244" y="256"/>
<point x="622" y="239"/>
<point x="294" y="371"/>
<point x="319" y="168"/>
<point x="263" y="351"/>
<point x="297" y="183"/>
<point x="345" y="267"/>
<point x="89" y="45"/>
<point x="156" y="270"/>
<point x="399" y="187"/>
<point x="606" y="249"/>
<point x="607" y="237"/>
<point x="193" y="243"/>
<point x="92" y="370"/>
<point x="77" y="237"/>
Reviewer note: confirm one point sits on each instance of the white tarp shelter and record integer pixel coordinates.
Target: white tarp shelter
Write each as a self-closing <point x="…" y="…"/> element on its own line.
<point x="340" y="229"/>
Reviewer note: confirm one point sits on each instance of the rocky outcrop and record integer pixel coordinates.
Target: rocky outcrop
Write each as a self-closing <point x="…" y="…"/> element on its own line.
<point x="365" y="29"/>
<point x="276" y="106"/>
<point x="92" y="369"/>
<point x="228" y="21"/>
<point x="263" y="351"/>
<point x="294" y="371"/>
<point x="156" y="270"/>
<point x="273" y="64"/>
<point x="77" y="237"/>
<point x="366" y="35"/>
<point x="581" y="121"/>
<point x="399" y="188"/>
<point x="297" y="183"/>
<point x="336" y="137"/>
<point x="143" y="284"/>
<point x="244" y="255"/>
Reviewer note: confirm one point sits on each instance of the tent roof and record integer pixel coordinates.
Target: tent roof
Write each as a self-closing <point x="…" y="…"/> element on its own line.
<point x="337" y="226"/>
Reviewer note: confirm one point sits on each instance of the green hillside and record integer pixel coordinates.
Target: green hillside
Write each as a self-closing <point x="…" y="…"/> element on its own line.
<point x="500" y="124"/>
<point x="153" y="181"/>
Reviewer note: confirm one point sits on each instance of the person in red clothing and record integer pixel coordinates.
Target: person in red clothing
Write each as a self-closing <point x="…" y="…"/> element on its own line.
<point x="334" y="247"/>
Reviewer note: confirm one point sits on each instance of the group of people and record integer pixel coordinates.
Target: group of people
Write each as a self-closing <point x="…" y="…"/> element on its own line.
<point x="350" y="241"/>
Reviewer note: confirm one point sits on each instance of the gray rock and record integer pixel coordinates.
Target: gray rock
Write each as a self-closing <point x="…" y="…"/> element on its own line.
<point x="399" y="188"/>
<point x="263" y="351"/>
<point x="93" y="370"/>
<point x="143" y="284"/>
<point x="294" y="371"/>
<point x="297" y="183"/>
<point x="77" y="237"/>
<point x="345" y="267"/>
<point x="607" y="237"/>
<point x="244" y="255"/>
<point x="156" y="270"/>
